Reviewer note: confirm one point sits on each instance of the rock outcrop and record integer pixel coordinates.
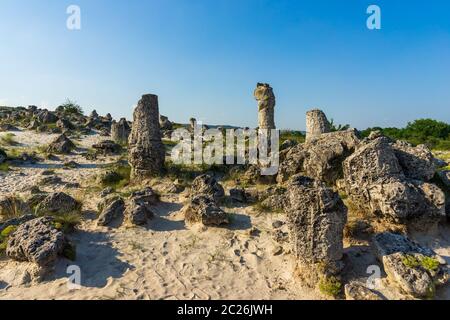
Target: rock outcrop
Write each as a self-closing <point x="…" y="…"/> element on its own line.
<point x="111" y="209"/>
<point x="320" y="157"/>
<point x="107" y="147"/>
<point x="316" y="219"/>
<point x="203" y="209"/>
<point x="62" y="144"/>
<point x="416" y="270"/>
<point x="207" y="185"/>
<point x="57" y="203"/>
<point x="146" y="150"/>
<point x="376" y="183"/>
<point x="139" y="208"/>
<point x="316" y="124"/>
<point x="120" y="131"/>
<point x="36" y="241"/>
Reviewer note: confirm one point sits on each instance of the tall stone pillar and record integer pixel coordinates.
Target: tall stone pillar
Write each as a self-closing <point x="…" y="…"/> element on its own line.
<point x="316" y="123"/>
<point x="146" y="150"/>
<point x="266" y="105"/>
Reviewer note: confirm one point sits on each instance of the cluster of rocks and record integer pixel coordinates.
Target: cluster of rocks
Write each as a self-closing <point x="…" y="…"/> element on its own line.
<point x="203" y="204"/>
<point x="136" y="210"/>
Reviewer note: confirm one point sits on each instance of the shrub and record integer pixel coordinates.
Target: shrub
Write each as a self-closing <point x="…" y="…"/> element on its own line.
<point x="70" y="107"/>
<point x="8" y="140"/>
<point x="330" y="286"/>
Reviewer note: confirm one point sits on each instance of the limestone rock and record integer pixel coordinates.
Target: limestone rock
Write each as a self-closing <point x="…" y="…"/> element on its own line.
<point x="316" y="123"/>
<point x="57" y="203"/>
<point x="46" y="117"/>
<point x="139" y="208"/>
<point x="321" y="157"/>
<point x="120" y="131"/>
<point x="316" y="218"/>
<point x="64" y="124"/>
<point x="36" y="241"/>
<point x="417" y="162"/>
<point x="107" y="147"/>
<point x="266" y="104"/>
<point x="357" y="291"/>
<point x="146" y="150"/>
<point x="376" y="183"/>
<point x="62" y="144"/>
<point x="207" y="185"/>
<point x="111" y="208"/>
<point x="16" y="221"/>
<point x="203" y="209"/>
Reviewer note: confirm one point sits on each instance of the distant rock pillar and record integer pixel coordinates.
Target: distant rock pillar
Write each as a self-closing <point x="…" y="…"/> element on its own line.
<point x="120" y="131"/>
<point x="316" y="123"/>
<point x="146" y="150"/>
<point x="266" y="105"/>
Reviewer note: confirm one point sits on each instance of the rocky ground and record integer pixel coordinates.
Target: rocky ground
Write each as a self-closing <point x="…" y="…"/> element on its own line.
<point x="224" y="235"/>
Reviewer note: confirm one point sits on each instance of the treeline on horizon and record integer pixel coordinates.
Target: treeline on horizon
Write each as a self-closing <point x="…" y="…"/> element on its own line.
<point x="435" y="134"/>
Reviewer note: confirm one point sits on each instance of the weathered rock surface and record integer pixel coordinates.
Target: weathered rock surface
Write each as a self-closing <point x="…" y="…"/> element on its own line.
<point x="62" y="144"/>
<point x="417" y="162"/>
<point x="357" y="291"/>
<point x="416" y="270"/>
<point x="57" y="203"/>
<point x="266" y="104"/>
<point x="16" y="221"/>
<point x="316" y="217"/>
<point x="3" y="156"/>
<point x="316" y="123"/>
<point x="107" y="147"/>
<point x="376" y="183"/>
<point x="139" y="208"/>
<point x="146" y="150"/>
<point x="164" y="123"/>
<point x="207" y="185"/>
<point x="111" y="209"/>
<point x="203" y="209"/>
<point x="36" y="241"/>
<point x="46" y="117"/>
<point x="120" y="131"/>
<point x="64" y="124"/>
<point x="320" y="158"/>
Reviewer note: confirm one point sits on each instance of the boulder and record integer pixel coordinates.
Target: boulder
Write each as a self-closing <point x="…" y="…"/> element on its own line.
<point x="111" y="208"/>
<point x="320" y="158"/>
<point x="64" y="124"/>
<point x="376" y="183"/>
<point x="358" y="291"/>
<point x="416" y="270"/>
<point x="164" y="123"/>
<point x="107" y="147"/>
<point x="46" y="117"/>
<point x="62" y="144"/>
<point x="207" y="185"/>
<point x="139" y="208"/>
<point x="57" y="203"/>
<point x="36" y="241"/>
<point x="203" y="209"/>
<point x="417" y="162"/>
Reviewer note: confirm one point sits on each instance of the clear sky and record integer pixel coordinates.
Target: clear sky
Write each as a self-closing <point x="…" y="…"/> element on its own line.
<point x="204" y="57"/>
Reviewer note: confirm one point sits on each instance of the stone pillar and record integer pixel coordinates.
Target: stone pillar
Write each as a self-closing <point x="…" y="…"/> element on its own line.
<point x="146" y="150"/>
<point x="120" y="131"/>
<point x="316" y="218"/>
<point x="266" y="105"/>
<point x="316" y="123"/>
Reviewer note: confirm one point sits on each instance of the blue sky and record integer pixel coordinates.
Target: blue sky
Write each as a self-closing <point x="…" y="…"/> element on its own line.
<point x="204" y="57"/>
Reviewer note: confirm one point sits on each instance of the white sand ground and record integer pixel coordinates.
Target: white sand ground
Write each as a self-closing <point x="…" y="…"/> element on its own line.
<point x="167" y="260"/>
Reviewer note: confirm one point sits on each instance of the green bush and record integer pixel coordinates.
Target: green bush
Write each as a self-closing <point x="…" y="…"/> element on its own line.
<point x="330" y="286"/>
